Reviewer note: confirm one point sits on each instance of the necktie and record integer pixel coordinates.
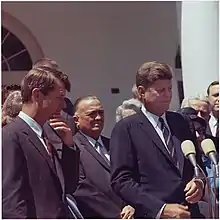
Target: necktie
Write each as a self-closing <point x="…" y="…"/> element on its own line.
<point x="48" y="145"/>
<point x="101" y="149"/>
<point x="168" y="140"/>
<point x="217" y="129"/>
<point x="54" y="157"/>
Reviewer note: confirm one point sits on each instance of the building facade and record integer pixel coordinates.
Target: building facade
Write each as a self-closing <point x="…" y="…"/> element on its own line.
<point x="100" y="45"/>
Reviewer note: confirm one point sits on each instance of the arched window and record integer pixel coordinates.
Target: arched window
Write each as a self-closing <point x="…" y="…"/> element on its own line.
<point x="20" y="49"/>
<point x="15" y="56"/>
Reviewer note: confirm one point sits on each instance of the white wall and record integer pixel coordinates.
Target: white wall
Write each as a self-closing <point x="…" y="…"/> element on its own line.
<point x="101" y="45"/>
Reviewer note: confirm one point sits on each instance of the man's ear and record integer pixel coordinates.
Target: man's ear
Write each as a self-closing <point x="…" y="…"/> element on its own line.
<point x="141" y="91"/>
<point x="76" y="120"/>
<point x="36" y="95"/>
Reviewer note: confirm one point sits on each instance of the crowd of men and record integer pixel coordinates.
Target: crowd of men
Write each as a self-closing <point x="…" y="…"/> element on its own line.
<point x="57" y="164"/>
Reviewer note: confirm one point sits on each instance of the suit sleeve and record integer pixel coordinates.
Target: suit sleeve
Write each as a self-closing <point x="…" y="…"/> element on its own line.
<point x="91" y="201"/>
<point x="123" y="173"/>
<point x="14" y="201"/>
<point x="70" y="167"/>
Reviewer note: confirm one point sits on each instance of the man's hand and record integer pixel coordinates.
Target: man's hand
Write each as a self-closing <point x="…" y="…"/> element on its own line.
<point x="127" y="212"/>
<point x="194" y="191"/>
<point x="61" y="127"/>
<point x="175" y="211"/>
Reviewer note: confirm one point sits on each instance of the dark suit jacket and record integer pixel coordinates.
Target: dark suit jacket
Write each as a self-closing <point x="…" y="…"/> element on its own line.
<point x="70" y="163"/>
<point x="31" y="187"/>
<point x="213" y="138"/>
<point x="143" y="173"/>
<point x="94" y="195"/>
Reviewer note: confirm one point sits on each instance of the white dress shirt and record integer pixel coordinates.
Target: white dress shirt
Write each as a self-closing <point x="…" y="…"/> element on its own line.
<point x="93" y="142"/>
<point x="213" y="125"/>
<point x="154" y="120"/>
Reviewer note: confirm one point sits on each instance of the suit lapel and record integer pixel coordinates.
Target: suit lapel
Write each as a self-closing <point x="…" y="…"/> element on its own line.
<point x="32" y="137"/>
<point x="153" y="135"/>
<point x="83" y="141"/>
<point x="57" y="143"/>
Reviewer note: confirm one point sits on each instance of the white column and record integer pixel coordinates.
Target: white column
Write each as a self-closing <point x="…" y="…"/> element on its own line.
<point x="199" y="45"/>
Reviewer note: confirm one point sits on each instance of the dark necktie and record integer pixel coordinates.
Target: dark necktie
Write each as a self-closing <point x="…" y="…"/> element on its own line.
<point x="54" y="158"/>
<point x="100" y="149"/>
<point x="50" y="148"/>
<point x="217" y="129"/>
<point x="168" y="140"/>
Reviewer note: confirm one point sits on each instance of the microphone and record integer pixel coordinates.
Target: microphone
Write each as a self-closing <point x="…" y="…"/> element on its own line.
<point x="209" y="150"/>
<point x="189" y="152"/>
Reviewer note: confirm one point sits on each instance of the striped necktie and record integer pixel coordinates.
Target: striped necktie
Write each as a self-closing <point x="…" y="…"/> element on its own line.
<point x="168" y="140"/>
<point x="100" y="149"/>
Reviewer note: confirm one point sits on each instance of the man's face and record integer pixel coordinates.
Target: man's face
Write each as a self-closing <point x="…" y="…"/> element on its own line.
<point x="157" y="97"/>
<point x="202" y="108"/>
<point x="53" y="101"/>
<point x="90" y="117"/>
<point x="214" y="97"/>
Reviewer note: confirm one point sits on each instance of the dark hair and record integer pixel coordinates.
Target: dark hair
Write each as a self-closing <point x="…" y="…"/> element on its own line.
<point x="59" y="75"/>
<point x="37" y="78"/>
<point x="188" y="113"/>
<point x="149" y="72"/>
<point x="69" y="109"/>
<point x="46" y="62"/>
<point x="13" y="87"/>
<point x="212" y="84"/>
<point x="199" y="123"/>
<point x="195" y="122"/>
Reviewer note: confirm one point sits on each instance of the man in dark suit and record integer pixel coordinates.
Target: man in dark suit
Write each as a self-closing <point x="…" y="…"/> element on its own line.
<point x="94" y="196"/>
<point x="213" y="98"/>
<point x="33" y="176"/>
<point x="148" y="169"/>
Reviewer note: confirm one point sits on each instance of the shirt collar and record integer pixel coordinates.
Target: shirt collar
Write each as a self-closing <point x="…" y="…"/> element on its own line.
<point x="91" y="140"/>
<point x="154" y="119"/>
<point x="32" y="123"/>
<point x="213" y="120"/>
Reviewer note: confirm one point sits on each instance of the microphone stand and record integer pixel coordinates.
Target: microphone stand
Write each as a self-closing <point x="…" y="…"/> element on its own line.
<point x="197" y="169"/>
<point x="215" y="177"/>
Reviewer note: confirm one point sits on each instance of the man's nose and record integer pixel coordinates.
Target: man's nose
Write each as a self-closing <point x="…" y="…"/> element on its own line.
<point x="98" y="117"/>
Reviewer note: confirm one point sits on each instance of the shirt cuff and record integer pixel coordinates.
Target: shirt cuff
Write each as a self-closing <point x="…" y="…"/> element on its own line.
<point x="160" y="212"/>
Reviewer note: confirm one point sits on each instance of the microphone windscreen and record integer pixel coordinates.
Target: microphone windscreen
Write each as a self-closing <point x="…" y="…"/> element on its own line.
<point x="188" y="147"/>
<point x="208" y="146"/>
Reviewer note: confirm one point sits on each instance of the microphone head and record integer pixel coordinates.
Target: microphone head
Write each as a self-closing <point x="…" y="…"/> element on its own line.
<point x="188" y="147"/>
<point x="208" y="146"/>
